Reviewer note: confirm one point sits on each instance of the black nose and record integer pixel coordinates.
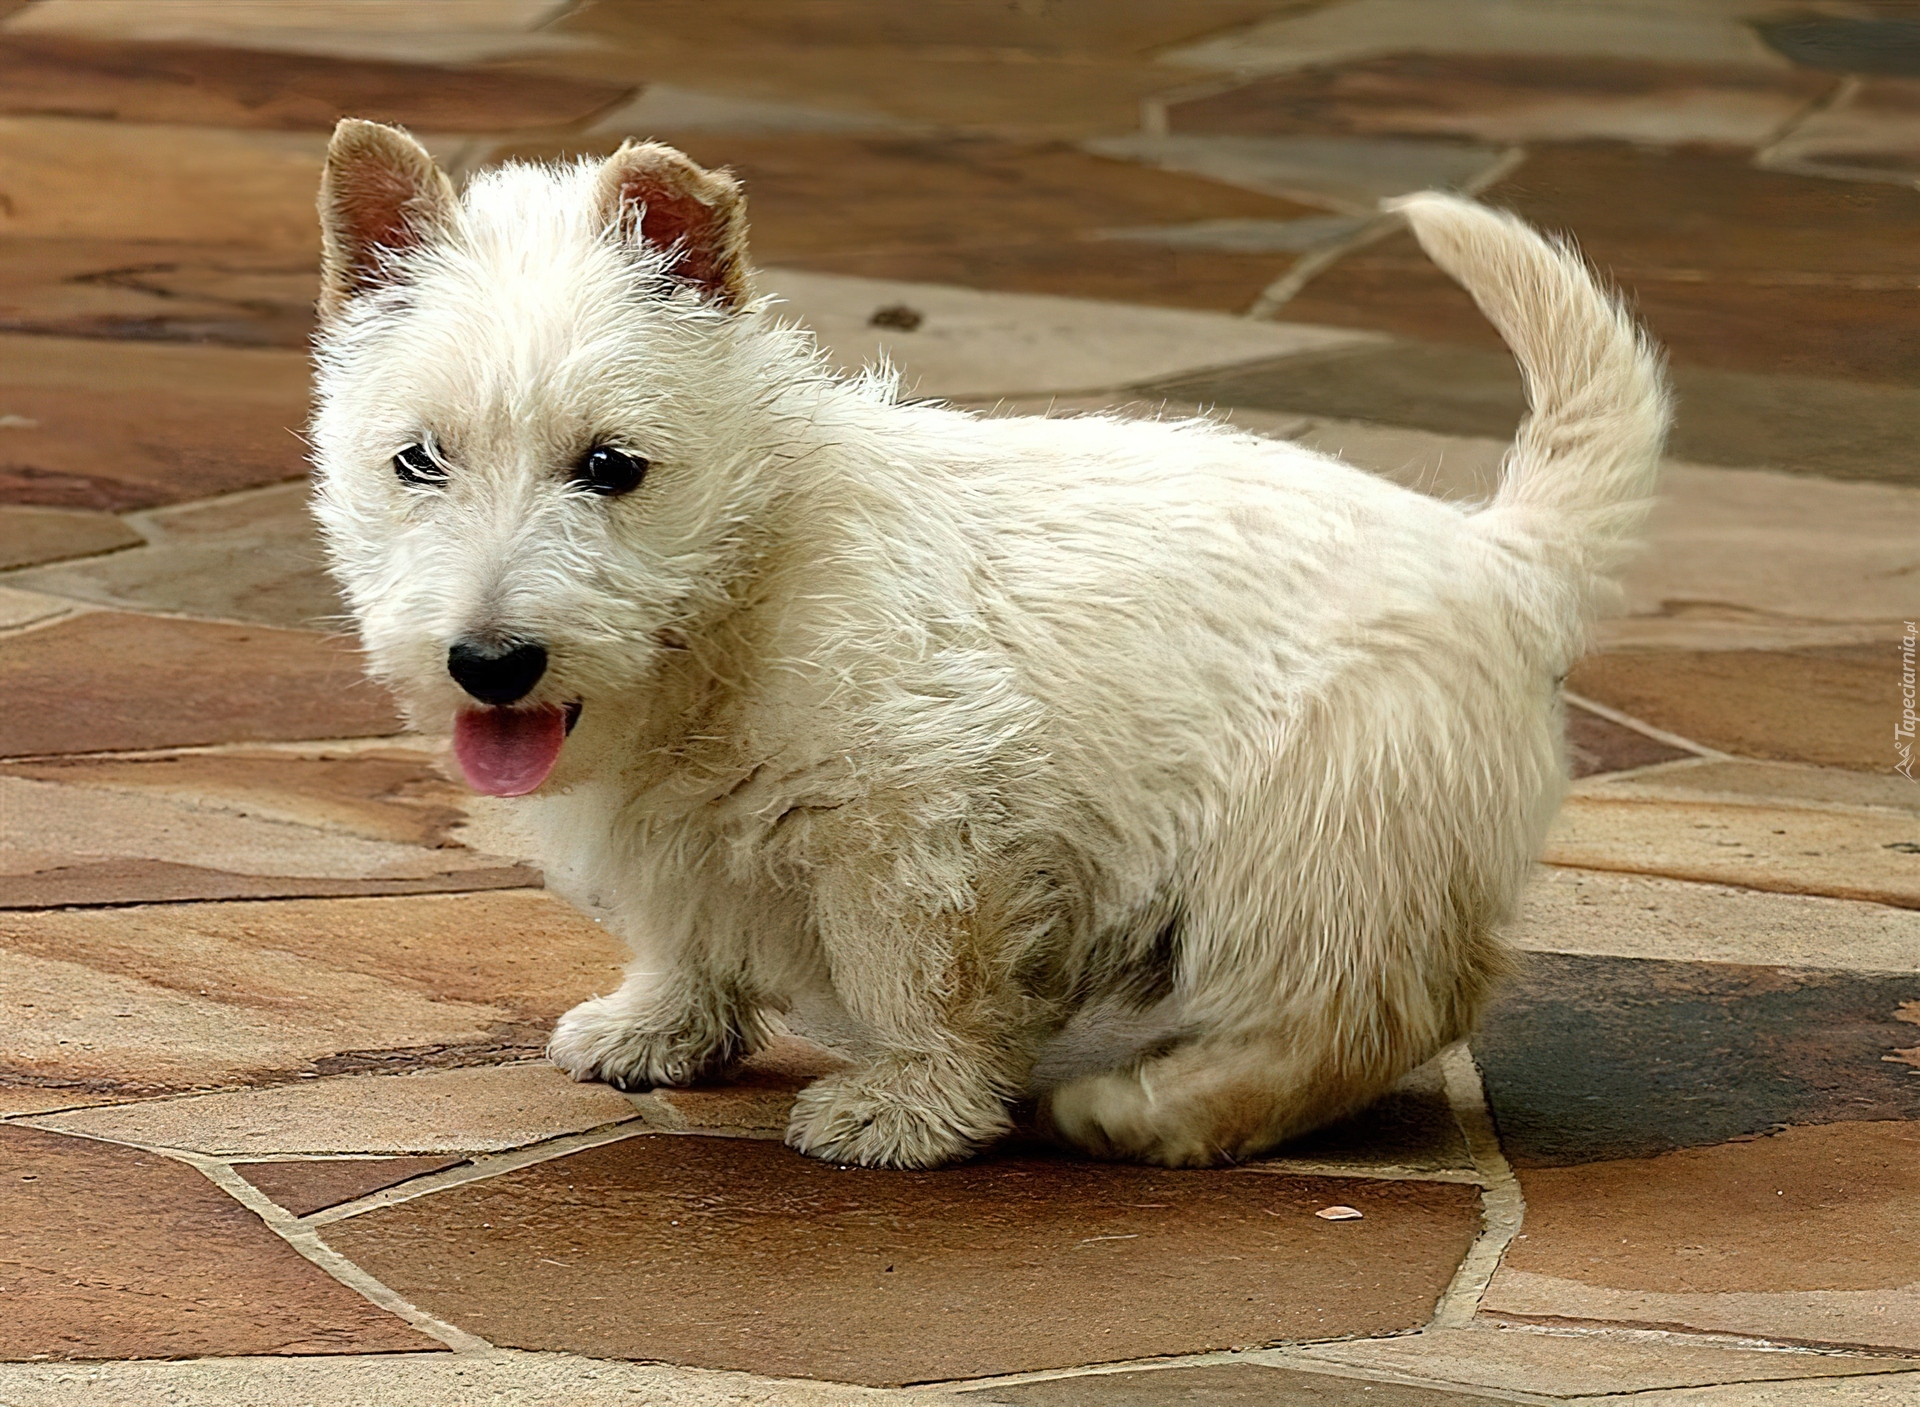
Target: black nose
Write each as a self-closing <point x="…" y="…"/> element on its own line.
<point x="497" y="674"/>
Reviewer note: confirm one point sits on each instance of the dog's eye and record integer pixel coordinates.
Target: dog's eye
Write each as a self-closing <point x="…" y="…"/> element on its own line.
<point x="416" y="465"/>
<point x="609" y="472"/>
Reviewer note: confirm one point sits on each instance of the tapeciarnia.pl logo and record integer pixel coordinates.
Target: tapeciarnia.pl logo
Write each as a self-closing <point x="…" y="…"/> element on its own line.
<point x="1903" y="726"/>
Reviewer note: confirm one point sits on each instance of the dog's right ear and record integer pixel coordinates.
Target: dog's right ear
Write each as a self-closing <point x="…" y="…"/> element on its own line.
<point x="659" y="196"/>
<point x="380" y="196"/>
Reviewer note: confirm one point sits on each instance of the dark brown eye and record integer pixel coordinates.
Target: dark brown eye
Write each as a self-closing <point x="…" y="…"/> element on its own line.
<point x="609" y="472"/>
<point x="416" y="465"/>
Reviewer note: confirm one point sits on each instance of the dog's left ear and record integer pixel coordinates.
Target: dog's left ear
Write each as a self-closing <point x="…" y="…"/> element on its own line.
<point x="380" y="196"/>
<point x="654" y="193"/>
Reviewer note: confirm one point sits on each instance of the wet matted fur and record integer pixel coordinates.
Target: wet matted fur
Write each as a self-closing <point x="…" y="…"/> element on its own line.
<point x="1173" y="779"/>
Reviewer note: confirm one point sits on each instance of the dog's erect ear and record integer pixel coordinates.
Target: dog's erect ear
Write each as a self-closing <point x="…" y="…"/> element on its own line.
<point x="655" y="193"/>
<point x="380" y="195"/>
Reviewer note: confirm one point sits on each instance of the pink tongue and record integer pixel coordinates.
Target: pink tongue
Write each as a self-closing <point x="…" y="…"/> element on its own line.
<point x="508" y="751"/>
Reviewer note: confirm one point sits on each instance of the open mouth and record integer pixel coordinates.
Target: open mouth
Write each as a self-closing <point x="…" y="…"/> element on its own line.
<point x="511" y="751"/>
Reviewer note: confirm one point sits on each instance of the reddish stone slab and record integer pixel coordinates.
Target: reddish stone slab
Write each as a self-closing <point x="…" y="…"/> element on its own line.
<point x="1835" y="706"/>
<point x="746" y="1255"/>
<point x="107" y="682"/>
<point x="114" y="1253"/>
<point x="29" y="536"/>
<point x="1806" y="1235"/>
<point x="309" y="1185"/>
<point x="157" y="291"/>
<point x="1013" y="216"/>
<point x="113" y="426"/>
<point x="221" y="87"/>
<point x="1732" y="267"/>
<point x="1596" y="745"/>
<point x="134" y="881"/>
<point x="1590" y="1059"/>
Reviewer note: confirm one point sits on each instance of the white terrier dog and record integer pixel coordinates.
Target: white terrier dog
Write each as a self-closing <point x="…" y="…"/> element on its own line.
<point x="1171" y="778"/>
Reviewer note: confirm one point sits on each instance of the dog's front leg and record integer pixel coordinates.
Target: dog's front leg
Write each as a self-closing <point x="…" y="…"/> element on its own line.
<point x="659" y="1028"/>
<point x="924" y="985"/>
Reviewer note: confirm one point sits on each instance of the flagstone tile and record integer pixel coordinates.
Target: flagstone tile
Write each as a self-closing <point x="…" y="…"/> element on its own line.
<point x="90" y="423"/>
<point x="427" y="1380"/>
<point x="32" y="535"/>
<point x="399" y="30"/>
<point x="1596" y="1059"/>
<point x="16" y="1100"/>
<point x="240" y="88"/>
<point x="984" y="345"/>
<point x="158" y="290"/>
<point x="1596" y="745"/>
<point x="1834" y="706"/>
<point x="109" y="682"/>
<point x="1867" y="855"/>
<point x="1802" y="425"/>
<point x="923" y="1276"/>
<point x="19" y="609"/>
<point x="1560" y="1364"/>
<point x="1871" y="133"/>
<point x="758" y="1096"/>
<point x="1643" y="916"/>
<point x="1683" y="31"/>
<point x="1496" y="97"/>
<point x="993" y="214"/>
<point x="1740" y="781"/>
<point x="1802" y="1236"/>
<point x="470" y="1110"/>
<point x="1731" y="266"/>
<point x="1218" y="1385"/>
<point x="1347" y="174"/>
<point x="1848" y="43"/>
<point x="309" y="1185"/>
<point x="176" y="996"/>
<point x="95" y="844"/>
<point x="112" y="1253"/>
<point x="71" y="176"/>
<point x="257" y="560"/>
<point x="391" y="794"/>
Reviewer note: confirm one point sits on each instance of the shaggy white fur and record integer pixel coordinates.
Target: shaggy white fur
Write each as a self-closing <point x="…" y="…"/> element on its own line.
<point x="1170" y="779"/>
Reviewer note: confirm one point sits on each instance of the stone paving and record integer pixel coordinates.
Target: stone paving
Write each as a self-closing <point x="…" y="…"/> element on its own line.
<point x="274" y="1125"/>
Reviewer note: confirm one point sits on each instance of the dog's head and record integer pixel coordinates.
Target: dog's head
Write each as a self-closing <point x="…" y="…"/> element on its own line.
<point x="541" y="426"/>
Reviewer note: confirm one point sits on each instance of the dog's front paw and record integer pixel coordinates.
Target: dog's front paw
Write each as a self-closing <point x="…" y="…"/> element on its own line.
<point x="602" y="1039"/>
<point x="899" y="1113"/>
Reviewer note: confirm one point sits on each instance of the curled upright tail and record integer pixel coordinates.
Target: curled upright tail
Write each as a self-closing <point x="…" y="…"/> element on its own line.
<point x="1579" y="479"/>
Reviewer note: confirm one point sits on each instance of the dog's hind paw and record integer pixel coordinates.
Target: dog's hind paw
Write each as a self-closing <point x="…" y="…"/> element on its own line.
<point x="898" y="1113"/>
<point x="603" y="1040"/>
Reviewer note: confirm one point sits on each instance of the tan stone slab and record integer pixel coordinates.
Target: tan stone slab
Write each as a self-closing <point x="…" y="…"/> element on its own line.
<point x="392" y="794"/>
<point x="88" y="423"/>
<point x="255" y="557"/>
<point x="1739" y="780"/>
<point x="1788" y="850"/>
<point x="1301" y="1383"/>
<point x="438" y="1111"/>
<point x="214" y="993"/>
<point x="16" y="1100"/>
<point x="1891" y="1389"/>
<point x="1804" y="1237"/>
<point x="33" y="535"/>
<point x="427" y="1380"/>
<point x="1834" y="706"/>
<point x="1528" y="97"/>
<point x="69" y="1022"/>
<point x="1639" y="916"/>
<point x="1519" y="1360"/>
<point x="50" y="824"/>
<point x="1680" y="30"/>
<point x="77" y="177"/>
<point x="109" y="682"/>
<point x="112" y="1253"/>
<point x="19" y="609"/>
<point x="986" y="344"/>
<point x="921" y="1276"/>
<point x="204" y="85"/>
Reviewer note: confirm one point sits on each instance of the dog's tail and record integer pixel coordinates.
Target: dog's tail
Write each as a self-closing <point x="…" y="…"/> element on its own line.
<point x="1578" y="481"/>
